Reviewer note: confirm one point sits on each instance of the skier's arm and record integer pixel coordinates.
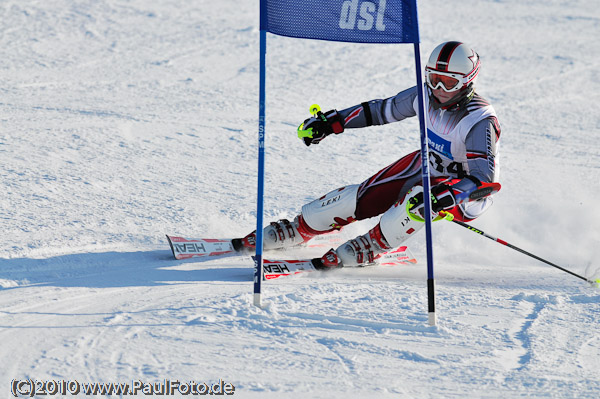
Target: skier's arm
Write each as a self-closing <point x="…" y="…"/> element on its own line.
<point x="380" y="112"/>
<point x="374" y="112"/>
<point x="482" y="149"/>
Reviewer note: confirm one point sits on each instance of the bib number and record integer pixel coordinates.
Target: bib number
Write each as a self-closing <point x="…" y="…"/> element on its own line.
<point x="448" y="168"/>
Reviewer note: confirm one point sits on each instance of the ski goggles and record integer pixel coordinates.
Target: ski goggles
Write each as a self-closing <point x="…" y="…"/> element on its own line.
<point x="446" y="81"/>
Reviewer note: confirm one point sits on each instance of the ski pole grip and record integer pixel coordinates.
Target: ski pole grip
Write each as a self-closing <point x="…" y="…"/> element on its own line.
<point x="315" y="109"/>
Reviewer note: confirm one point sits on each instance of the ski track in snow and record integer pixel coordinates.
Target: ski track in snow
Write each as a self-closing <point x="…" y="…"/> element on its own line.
<point x="125" y="120"/>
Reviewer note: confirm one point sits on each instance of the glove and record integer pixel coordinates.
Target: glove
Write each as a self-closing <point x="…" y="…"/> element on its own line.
<point x="442" y="198"/>
<point x="316" y="128"/>
<point x="452" y="192"/>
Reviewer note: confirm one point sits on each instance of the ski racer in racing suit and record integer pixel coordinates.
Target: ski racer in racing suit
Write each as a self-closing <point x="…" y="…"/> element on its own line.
<point x="463" y="134"/>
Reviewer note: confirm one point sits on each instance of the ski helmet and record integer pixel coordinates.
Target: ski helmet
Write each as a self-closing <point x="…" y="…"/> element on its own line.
<point x="452" y="67"/>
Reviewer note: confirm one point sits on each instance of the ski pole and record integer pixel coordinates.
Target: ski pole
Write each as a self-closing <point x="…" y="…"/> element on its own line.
<point x="498" y="240"/>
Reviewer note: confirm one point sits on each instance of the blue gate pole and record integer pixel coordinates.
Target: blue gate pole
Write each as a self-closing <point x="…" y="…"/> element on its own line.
<point x="426" y="188"/>
<point x="258" y="260"/>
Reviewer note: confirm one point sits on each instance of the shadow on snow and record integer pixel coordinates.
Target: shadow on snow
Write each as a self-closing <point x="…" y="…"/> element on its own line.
<point x="119" y="269"/>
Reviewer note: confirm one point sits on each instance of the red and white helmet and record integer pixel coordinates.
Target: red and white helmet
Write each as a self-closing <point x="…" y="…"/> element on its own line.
<point x="453" y="67"/>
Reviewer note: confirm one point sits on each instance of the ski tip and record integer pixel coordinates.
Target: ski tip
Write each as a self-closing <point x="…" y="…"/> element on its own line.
<point x="171" y="245"/>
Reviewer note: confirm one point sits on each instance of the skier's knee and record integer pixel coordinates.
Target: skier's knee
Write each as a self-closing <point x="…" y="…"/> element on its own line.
<point x="333" y="210"/>
<point x="396" y="223"/>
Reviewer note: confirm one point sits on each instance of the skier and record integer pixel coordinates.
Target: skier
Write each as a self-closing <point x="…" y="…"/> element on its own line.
<point x="463" y="134"/>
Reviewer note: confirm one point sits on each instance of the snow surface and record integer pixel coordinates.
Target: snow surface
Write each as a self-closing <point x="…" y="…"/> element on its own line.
<point x="123" y="120"/>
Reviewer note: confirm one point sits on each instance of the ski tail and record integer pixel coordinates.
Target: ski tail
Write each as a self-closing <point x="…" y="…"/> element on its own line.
<point x="399" y="256"/>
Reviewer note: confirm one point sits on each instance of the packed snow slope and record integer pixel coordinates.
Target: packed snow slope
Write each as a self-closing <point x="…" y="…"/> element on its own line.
<point x="123" y="120"/>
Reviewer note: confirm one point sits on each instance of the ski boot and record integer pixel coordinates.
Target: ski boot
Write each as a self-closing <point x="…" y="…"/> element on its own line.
<point x="277" y="235"/>
<point x="360" y="251"/>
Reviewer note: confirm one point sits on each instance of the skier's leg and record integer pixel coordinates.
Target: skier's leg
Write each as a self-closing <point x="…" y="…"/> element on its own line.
<point x="379" y="194"/>
<point x="330" y="212"/>
<point x="395" y="226"/>
<point x="343" y="206"/>
<point x="382" y="190"/>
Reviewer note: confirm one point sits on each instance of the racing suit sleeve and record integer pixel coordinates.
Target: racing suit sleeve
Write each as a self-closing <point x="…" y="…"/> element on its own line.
<point x="482" y="164"/>
<point x="482" y="149"/>
<point x="380" y="112"/>
<point x="482" y="154"/>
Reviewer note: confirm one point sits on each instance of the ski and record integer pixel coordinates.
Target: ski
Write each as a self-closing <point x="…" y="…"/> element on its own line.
<point x="273" y="269"/>
<point x="398" y="256"/>
<point x="216" y="248"/>
<point x="206" y="248"/>
<point x="211" y="249"/>
<point x="279" y="268"/>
